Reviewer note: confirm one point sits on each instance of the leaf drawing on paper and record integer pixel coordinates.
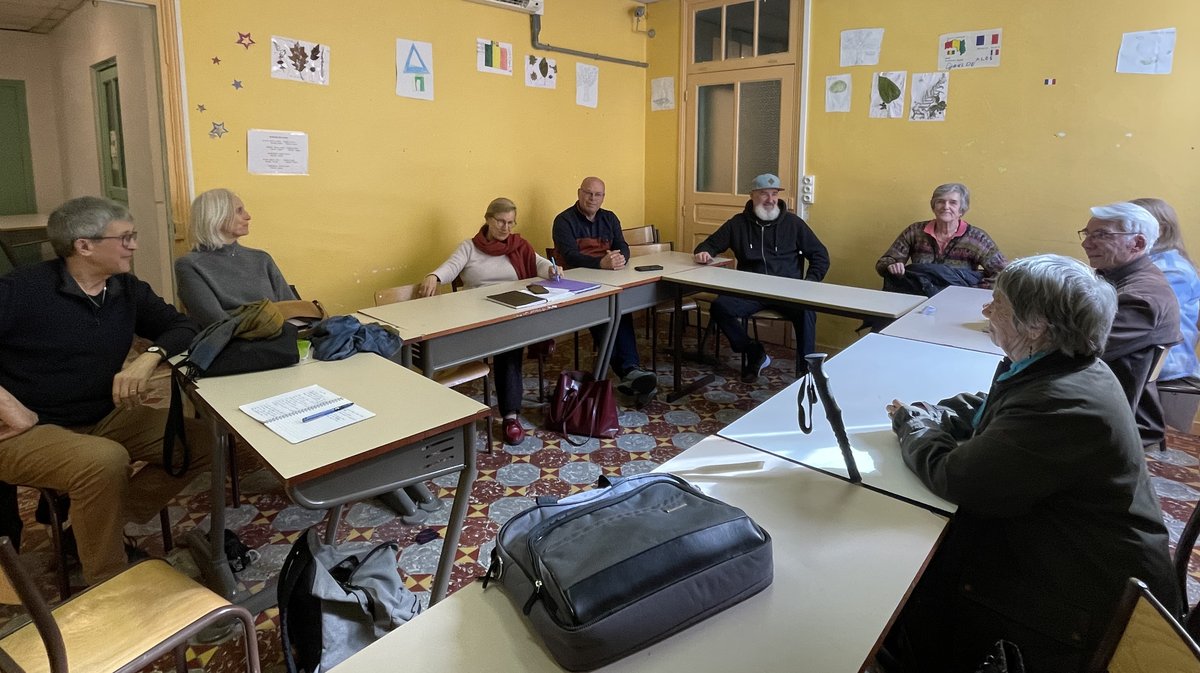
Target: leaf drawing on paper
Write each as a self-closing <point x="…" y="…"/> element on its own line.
<point x="888" y="91"/>
<point x="299" y="56"/>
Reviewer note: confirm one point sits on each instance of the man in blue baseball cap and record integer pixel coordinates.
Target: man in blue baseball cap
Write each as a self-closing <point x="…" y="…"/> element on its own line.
<point x="765" y="238"/>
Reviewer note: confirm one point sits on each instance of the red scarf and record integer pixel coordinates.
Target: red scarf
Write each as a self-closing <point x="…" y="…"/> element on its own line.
<point x="516" y="249"/>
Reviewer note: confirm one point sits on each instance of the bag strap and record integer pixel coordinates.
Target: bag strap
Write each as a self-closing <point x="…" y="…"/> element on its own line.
<point x="175" y="429"/>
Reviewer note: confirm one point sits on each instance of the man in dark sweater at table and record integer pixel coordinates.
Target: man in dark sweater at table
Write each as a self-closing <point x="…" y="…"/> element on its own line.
<point x="71" y="416"/>
<point x="765" y="238"/>
<point x="586" y="235"/>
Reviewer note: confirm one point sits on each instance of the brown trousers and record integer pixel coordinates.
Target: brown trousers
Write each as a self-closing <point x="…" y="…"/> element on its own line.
<point x="92" y="465"/>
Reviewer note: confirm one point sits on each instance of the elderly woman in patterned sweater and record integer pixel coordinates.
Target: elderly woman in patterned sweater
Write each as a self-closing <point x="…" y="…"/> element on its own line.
<point x="495" y="255"/>
<point x="966" y="251"/>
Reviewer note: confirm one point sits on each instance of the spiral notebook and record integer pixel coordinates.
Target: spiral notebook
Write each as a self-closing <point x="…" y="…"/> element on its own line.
<point x="305" y="413"/>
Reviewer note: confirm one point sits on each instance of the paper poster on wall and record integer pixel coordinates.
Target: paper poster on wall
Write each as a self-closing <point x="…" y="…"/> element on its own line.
<point x="587" y="85"/>
<point x="414" y="69"/>
<point x="887" y="94"/>
<point x="861" y="46"/>
<point x="662" y="94"/>
<point x="276" y="152"/>
<point x="837" y="93"/>
<point x="970" y="49"/>
<point x="299" y="60"/>
<point x="541" y="72"/>
<point x="494" y="57"/>
<point x="1147" y="52"/>
<point x="930" y="91"/>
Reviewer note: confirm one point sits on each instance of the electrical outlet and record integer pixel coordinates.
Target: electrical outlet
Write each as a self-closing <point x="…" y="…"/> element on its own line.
<point x="808" y="189"/>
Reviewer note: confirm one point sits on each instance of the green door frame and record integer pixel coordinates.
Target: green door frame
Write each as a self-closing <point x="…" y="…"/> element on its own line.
<point x="23" y="190"/>
<point x="110" y="140"/>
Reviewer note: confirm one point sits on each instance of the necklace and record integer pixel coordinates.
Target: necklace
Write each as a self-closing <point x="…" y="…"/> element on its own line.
<point x="103" y="295"/>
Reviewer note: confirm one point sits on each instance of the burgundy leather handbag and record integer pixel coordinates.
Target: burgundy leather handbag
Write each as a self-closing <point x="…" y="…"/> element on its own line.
<point x="584" y="406"/>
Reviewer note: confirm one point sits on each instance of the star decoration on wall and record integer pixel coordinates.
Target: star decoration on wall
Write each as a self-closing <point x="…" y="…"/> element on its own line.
<point x="237" y="84"/>
<point x="245" y="40"/>
<point x="216" y="60"/>
<point x="218" y="130"/>
<point x="201" y="108"/>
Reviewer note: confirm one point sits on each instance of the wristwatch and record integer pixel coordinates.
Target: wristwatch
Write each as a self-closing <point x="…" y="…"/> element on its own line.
<point x="159" y="351"/>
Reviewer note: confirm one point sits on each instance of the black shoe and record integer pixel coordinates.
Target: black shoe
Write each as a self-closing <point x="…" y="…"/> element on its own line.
<point x="756" y="361"/>
<point x="637" y="381"/>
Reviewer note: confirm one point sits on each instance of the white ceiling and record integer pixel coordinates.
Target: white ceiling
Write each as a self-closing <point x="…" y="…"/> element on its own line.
<point x="35" y="16"/>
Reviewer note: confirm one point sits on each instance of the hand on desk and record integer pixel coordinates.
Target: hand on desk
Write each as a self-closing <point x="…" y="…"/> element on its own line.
<point x="702" y="257"/>
<point x="613" y="260"/>
<point x="428" y="286"/>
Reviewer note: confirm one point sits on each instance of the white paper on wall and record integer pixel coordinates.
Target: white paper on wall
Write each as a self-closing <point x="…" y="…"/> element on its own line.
<point x="1148" y="52"/>
<point x="276" y="152"/>
<point x="587" y="85"/>
<point x="414" y="69"/>
<point x="299" y="60"/>
<point x="837" y="93"/>
<point x="861" y="46"/>
<point x="887" y="94"/>
<point x="930" y="93"/>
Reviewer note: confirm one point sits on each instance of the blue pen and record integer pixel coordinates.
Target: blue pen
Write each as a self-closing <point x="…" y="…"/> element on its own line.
<point x="319" y="414"/>
<point x="554" y="270"/>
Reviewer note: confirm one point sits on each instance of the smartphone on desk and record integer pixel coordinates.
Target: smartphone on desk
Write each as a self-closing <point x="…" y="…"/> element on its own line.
<point x="648" y="267"/>
<point x="537" y="289"/>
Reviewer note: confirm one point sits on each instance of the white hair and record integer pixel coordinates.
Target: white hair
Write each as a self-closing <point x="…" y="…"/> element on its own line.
<point x="1131" y="218"/>
<point x="1065" y="296"/>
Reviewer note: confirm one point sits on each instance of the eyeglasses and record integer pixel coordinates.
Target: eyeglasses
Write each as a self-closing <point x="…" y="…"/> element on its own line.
<point x="1084" y="234"/>
<point x="126" y="239"/>
<point x="506" y="225"/>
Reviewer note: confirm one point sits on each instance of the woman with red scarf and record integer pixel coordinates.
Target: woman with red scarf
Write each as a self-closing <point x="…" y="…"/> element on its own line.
<point x="495" y="255"/>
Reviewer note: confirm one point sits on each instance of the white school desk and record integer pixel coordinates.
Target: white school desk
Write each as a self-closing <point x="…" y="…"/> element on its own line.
<point x="952" y="317"/>
<point x="642" y="289"/>
<point x="458" y="327"/>
<point x="864" y="378"/>
<point x="854" y="302"/>
<point x="421" y="430"/>
<point x="845" y="559"/>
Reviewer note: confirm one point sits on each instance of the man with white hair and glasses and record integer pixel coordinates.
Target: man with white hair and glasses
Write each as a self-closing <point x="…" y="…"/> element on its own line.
<point x="1117" y="241"/>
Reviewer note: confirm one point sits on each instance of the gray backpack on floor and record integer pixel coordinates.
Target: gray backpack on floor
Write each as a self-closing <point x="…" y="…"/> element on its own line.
<point x="605" y="573"/>
<point x="334" y="602"/>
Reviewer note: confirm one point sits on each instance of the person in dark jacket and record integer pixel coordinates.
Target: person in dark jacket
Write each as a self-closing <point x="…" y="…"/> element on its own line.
<point x="1055" y="508"/>
<point x="765" y="238"/>
<point x="71" y="416"/>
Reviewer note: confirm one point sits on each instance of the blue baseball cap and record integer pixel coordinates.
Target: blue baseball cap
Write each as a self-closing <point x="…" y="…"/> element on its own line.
<point x="766" y="181"/>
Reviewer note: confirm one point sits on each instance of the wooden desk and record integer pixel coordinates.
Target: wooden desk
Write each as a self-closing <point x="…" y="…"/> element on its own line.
<point x="953" y="317"/>
<point x="864" y="378"/>
<point x="846" y="559"/>
<point x="464" y="326"/>
<point x="421" y="430"/>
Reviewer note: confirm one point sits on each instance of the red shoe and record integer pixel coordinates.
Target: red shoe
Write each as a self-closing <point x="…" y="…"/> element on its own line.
<point x="513" y="432"/>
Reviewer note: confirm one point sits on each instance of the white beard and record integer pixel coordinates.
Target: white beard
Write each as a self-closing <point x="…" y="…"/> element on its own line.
<point x="767" y="215"/>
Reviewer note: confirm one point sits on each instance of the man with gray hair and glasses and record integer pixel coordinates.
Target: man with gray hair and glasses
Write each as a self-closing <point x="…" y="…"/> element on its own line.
<point x="71" y="416"/>
<point x="1117" y="240"/>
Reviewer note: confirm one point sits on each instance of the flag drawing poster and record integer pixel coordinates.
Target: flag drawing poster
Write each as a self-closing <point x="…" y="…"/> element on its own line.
<point x="414" y="69"/>
<point x="970" y="49"/>
<point x="494" y="57"/>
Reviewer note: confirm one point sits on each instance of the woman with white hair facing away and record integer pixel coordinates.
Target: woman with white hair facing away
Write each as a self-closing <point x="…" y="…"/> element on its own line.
<point x="219" y="274"/>
<point x="1180" y="368"/>
<point x="1055" y="508"/>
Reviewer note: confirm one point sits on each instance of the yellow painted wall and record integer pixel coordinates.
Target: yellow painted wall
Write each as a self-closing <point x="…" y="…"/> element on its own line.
<point x="662" y="126"/>
<point x="397" y="183"/>
<point x="1124" y="136"/>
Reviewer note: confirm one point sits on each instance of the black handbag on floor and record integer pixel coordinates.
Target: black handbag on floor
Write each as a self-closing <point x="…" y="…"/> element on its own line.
<point x="605" y="573"/>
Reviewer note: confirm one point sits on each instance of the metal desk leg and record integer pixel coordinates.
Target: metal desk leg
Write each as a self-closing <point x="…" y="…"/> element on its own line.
<point x="605" y="349"/>
<point x="458" y="513"/>
<point x="677" y="356"/>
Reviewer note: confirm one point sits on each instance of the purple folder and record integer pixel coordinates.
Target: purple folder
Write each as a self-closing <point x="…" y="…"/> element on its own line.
<point x="574" y="286"/>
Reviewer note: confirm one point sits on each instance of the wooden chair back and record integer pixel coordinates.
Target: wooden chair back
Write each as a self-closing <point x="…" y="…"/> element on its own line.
<point x="649" y="248"/>
<point x="391" y="295"/>
<point x="1144" y="637"/>
<point x="641" y="235"/>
